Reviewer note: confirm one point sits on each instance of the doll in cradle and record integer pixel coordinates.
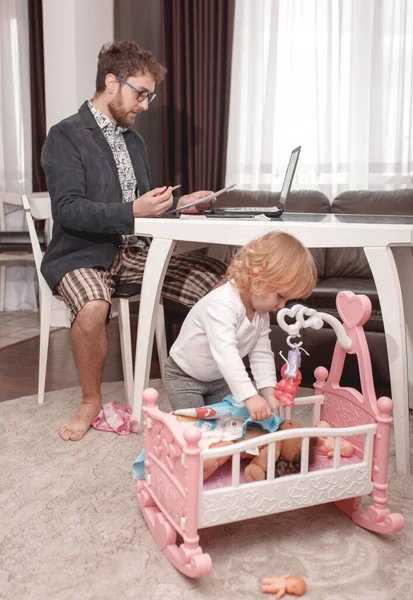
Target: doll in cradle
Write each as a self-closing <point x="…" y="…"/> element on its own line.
<point x="287" y="455"/>
<point x="256" y="469"/>
<point x="289" y="451"/>
<point x="326" y="444"/>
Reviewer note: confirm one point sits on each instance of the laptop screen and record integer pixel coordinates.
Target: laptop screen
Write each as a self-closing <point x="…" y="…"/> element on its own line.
<point x="289" y="175"/>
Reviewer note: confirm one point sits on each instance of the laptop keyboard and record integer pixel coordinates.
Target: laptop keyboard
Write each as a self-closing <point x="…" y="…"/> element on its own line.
<point x="249" y="209"/>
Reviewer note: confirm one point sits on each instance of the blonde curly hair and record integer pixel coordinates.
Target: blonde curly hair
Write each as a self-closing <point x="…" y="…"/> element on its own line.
<point x="275" y="262"/>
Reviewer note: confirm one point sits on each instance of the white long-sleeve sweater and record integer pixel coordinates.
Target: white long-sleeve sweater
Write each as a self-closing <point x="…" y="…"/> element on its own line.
<point x="216" y="335"/>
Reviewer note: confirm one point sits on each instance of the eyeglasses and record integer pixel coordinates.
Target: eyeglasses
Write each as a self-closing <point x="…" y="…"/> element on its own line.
<point x="142" y="95"/>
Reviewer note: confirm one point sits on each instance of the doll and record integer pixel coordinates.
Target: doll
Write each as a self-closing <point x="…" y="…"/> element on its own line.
<point x="288" y="450"/>
<point x="287" y="453"/>
<point x="291" y="448"/>
<point x="286" y="584"/>
<point x="326" y="444"/>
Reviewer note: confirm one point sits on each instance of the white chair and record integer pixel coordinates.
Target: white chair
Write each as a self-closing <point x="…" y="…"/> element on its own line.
<point x="13" y="252"/>
<point x="38" y="206"/>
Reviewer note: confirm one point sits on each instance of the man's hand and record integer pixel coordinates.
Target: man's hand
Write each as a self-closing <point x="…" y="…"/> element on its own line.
<point x="154" y="203"/>
<point x="199" y="208"/>
<point x="258" y="408"/>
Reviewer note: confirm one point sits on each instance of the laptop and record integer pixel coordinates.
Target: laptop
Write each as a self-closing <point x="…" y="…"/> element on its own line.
<point x="269" y="211"/>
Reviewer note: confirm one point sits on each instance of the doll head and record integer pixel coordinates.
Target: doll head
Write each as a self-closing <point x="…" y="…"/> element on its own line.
<point x="275" y="262"/>
<point x="295" y="585"/>
<point x="292" y="447"/>
<point x="290" y="455"/>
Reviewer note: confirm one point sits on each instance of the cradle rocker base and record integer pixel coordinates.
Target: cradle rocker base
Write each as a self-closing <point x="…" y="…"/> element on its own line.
<point x="190" y="561"/>
<point x="372" y="518"/>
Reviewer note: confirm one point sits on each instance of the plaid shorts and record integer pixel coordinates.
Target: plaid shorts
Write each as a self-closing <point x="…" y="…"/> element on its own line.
<point x="188" y="278"/>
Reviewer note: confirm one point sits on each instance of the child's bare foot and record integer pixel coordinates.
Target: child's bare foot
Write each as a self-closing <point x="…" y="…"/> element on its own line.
<point x="77" y="427"/>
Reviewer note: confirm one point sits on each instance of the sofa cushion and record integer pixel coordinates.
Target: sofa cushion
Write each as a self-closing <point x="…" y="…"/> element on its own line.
<point x="320" y="345"/>
<point x="346" y="262"/>
<point x="394" y="202"/>
<point x="352" y="262"/>
<point x="325" y="293"/>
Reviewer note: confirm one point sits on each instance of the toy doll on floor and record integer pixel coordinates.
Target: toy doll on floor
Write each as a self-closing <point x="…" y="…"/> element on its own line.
<point x="231" y="322"/>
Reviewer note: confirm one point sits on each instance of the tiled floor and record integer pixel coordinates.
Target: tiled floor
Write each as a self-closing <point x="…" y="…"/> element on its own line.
<point x="17" y="326"/>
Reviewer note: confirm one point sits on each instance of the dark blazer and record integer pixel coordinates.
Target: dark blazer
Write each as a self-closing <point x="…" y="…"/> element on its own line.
<point x="83" y="183"/>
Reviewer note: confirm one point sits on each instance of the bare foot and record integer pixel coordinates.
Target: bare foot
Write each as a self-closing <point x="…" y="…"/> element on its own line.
<point x="77" y="427"/>
<point x="254" y="473"/>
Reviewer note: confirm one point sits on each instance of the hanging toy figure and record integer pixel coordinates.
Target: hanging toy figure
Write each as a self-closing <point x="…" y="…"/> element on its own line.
<point x="287" y="387"/>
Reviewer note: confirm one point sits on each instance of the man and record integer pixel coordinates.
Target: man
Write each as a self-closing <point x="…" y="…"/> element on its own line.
<point x="98" y="178"/>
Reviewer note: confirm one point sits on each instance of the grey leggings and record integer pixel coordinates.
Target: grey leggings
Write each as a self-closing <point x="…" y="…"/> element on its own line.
<point x="186" y="392"/>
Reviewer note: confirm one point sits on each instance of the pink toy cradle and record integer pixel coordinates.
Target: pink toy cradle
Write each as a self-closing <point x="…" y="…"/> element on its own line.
<point x="175" y="502"/>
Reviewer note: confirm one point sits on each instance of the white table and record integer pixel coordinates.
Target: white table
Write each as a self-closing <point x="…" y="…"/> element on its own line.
<point x="387" y="243"/>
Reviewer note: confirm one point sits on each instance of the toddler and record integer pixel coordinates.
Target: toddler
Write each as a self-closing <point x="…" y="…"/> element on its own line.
<point x="232" y="321"/>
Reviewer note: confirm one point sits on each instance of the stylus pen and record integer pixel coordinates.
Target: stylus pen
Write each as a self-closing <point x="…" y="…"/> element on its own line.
<point x="137" y="189"/>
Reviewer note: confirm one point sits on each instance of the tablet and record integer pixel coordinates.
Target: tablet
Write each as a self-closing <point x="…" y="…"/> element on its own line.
<point x="202" y="200"/>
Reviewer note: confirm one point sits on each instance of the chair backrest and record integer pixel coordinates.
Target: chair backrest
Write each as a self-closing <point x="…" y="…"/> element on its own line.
<point x="9" y="198"/>
<point x="37" y="206"/>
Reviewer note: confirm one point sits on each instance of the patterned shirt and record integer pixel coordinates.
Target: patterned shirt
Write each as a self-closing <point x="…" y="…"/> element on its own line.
<point x="113" y="134"/>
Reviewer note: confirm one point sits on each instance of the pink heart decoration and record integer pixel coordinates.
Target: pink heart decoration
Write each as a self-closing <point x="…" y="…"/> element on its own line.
<point x="353" y="309"/>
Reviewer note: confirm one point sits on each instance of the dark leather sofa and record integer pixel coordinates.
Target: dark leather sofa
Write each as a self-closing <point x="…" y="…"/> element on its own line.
<point x="338" y="269"/>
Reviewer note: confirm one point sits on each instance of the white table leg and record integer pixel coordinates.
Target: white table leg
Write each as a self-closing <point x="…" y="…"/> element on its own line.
<point x="386" y="278"/>
<point x="156" y="264"/>
<point x="403" y="256"/>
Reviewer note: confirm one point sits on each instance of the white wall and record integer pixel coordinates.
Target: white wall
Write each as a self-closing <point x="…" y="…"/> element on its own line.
<point x="74" y="31"/>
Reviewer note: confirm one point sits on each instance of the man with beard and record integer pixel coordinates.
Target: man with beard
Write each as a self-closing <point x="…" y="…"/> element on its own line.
<point x="98" y="178"/>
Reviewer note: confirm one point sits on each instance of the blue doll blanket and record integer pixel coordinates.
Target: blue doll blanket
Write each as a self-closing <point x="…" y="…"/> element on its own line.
<point x="228" y="407"/>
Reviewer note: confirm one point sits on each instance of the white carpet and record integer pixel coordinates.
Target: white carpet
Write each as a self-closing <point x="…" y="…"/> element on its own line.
<point x="70" y="527"/>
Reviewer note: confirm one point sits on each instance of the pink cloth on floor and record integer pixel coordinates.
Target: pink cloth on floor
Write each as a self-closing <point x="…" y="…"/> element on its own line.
<point x="117" y="418"/>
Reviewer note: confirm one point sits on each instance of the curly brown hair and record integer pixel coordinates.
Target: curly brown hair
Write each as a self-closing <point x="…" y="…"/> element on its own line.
<point x="126" y="59"/>
<point x="277" y="261"/>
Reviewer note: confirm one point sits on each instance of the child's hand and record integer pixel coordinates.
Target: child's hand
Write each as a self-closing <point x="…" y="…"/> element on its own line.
<point x="258" y="408"/>
<point x="275" y="405"/>
<point x="269" y="396"/>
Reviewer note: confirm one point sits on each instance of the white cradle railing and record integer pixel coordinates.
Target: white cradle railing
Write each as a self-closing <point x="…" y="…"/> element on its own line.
<point x="247" y="500"/>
